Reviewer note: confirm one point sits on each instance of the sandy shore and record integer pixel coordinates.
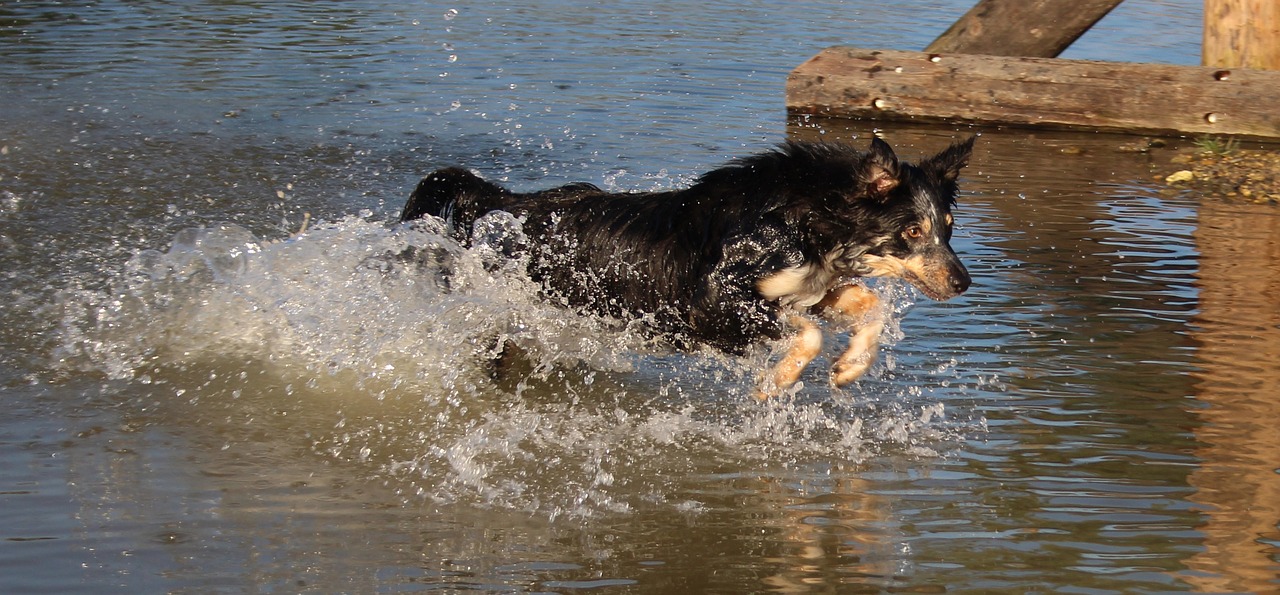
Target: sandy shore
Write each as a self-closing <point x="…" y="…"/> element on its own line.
<point x="1230" y="174"/>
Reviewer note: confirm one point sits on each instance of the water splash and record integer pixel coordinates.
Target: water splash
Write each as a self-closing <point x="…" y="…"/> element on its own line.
<point x="389" y="338"/>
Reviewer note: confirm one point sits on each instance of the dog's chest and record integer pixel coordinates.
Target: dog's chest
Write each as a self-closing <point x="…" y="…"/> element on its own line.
<point x="797" y="287"/>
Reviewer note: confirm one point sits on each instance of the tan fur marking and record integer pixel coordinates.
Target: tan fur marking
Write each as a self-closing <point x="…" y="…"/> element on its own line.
<point x="857" y="359"/>
<point x="783" y="283"/>
<point x="802" y="348"/>
<point x="797" y="287"/>
<point x="912" y="269"/>
<point x="914" y="266"/>
<point x="848" y="303"/>
<point x="854" y="306"/>
<point x="889" y="266"/>
<point x="858" y="307"/>
<point x="883" y="183"/>
<point x="926" y="227"/>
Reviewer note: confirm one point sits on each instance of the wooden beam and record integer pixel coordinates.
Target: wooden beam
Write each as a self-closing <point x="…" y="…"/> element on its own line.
<point x="1241" y="34"/>
<point x="1037" y="92"/>
<point x="1033" y="28"/>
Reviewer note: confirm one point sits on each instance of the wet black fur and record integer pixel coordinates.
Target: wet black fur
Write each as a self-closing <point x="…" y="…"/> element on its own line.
<point x="691" y="260"/>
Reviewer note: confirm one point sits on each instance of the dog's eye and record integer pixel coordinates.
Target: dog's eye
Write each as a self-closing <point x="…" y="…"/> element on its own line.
<point x="914" y="232"/>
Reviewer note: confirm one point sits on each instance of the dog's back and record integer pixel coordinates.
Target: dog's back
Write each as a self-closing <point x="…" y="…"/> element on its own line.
<point x="684" y="260"/>
<point x="459" y="197"/>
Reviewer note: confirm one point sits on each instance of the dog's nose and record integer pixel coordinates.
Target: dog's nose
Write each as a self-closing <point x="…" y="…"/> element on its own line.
<point x="960" y="281"/>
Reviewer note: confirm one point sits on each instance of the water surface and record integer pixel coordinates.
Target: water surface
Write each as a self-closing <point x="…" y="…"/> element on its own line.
<point x="198" y="400"/>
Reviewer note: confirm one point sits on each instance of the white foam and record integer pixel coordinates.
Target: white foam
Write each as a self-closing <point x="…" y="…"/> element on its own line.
<point x="593" y="419"/>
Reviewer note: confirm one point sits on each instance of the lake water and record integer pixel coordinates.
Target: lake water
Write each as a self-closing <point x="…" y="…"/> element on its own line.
<point x="195" y="401"/>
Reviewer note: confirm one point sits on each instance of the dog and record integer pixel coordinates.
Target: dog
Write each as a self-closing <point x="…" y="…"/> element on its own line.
<point x="756" y="250"/>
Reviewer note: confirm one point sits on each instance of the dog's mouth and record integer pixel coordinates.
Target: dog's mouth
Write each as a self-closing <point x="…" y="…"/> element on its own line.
<point x="941" y="292"/>
<point x="938" y="281"/>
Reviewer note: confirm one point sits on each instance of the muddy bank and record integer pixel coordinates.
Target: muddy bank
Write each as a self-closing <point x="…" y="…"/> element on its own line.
<point x="1228" y="173"/>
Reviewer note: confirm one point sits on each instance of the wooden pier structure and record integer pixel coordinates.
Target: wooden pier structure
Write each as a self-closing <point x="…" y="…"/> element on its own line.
<point x="998" y="65"/>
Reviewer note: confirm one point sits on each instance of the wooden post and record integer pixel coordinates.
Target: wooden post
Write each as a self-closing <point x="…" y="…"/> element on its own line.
<point x="1028" y="28"/>
<point x="1242" y="34"/>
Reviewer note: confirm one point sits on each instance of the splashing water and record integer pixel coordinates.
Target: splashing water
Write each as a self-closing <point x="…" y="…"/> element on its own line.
<point x="388" y="337"/>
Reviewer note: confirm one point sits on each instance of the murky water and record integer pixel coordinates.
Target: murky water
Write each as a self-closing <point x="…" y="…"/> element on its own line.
<point x="197" y="400"/>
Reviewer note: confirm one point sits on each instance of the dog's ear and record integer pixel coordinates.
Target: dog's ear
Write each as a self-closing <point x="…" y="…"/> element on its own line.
<point x="950" y="160"/>
<point x="879" y="172"/>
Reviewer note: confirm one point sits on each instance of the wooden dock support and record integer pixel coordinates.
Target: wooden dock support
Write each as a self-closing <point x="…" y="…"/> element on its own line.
<point x="1241" y="34"/>
<point x="1037" y="92"/>
<point x="997" y="65"/>
<point x="1033" y="28"/>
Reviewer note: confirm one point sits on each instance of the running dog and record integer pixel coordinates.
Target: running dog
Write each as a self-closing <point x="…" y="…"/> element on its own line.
<point x="755" y="250"/>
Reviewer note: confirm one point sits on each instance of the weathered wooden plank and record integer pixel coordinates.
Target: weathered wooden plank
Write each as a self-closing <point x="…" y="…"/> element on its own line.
<point x="1241" y="34"/>
<point x="1038" y="92"/>
<point x="1032" y="28"/>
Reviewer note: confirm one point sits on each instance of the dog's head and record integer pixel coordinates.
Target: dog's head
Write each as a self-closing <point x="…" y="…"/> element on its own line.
<point x="908" y="210"/>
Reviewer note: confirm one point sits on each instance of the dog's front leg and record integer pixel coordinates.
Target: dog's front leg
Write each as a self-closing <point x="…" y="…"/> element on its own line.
<point x="802" y="347"/>
<point x="859" y="308"/>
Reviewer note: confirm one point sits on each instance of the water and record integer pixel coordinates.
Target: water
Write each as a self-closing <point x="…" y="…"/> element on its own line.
<point x="199" y="399"/>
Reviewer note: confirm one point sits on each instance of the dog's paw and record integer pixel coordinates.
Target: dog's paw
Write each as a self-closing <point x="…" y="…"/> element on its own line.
<point x="766" y="390"/>
<point x="845" y="371"/>
<point x="859" y="356"/>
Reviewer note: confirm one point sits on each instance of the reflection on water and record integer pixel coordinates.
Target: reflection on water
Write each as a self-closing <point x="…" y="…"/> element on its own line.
<point x="1238" y="328"/>
<point x="197" y="401"/>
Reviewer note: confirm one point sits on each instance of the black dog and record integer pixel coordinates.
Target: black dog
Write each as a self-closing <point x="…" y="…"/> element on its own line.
<point x="748" y="252"/>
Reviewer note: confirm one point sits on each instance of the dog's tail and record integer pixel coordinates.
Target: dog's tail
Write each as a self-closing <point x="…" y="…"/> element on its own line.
<point x="451" y="193"/>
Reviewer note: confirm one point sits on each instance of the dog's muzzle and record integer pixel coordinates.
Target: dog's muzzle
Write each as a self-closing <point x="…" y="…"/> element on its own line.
<point x="942" y="275"/>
